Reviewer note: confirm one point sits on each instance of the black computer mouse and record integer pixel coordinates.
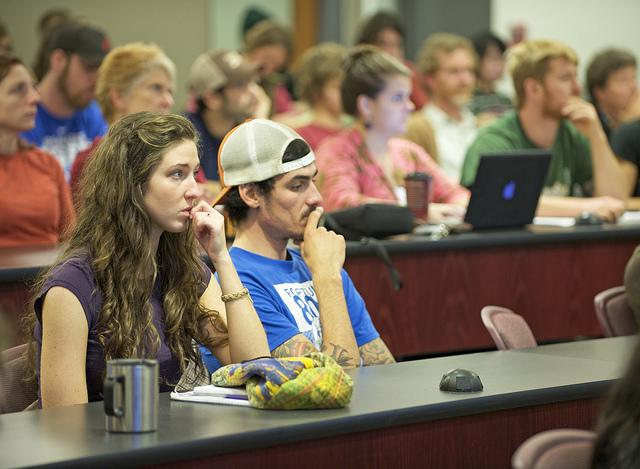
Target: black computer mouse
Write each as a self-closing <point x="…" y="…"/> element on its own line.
<point x="588" y="219"/>
<point x="460" y="380"/>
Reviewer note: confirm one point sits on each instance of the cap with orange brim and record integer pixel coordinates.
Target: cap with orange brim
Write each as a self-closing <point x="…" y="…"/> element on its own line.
<point x="252" y="152"/>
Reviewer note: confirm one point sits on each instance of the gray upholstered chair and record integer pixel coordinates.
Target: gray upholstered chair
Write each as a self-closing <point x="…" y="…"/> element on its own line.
<point x="507" y="329"/>
<point x="16" y="394"/>
<point x="614" y="313"/>
<point x="564" y="448"/>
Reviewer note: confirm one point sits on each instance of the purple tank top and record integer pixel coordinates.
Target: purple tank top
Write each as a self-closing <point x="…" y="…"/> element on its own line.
<point x="76" y="275"/>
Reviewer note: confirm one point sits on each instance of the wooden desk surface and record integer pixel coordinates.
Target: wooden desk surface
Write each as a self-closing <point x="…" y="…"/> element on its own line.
<point x="403" y="395"/>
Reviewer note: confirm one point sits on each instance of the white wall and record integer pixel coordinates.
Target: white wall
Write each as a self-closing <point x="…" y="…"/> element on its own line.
<point x="226" y="18"/>
<point x="586" y="25"/>
<point x="183" y="28"/>
<point x="369" y="7"/>
<point x="179" y="27"/>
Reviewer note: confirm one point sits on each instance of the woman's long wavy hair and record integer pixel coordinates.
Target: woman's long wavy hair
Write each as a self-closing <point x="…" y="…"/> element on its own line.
<point x="618" y="443"/>
<point x="114" y="230"/>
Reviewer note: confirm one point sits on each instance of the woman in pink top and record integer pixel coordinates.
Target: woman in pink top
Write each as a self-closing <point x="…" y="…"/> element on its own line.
<point x="368" y="163"/>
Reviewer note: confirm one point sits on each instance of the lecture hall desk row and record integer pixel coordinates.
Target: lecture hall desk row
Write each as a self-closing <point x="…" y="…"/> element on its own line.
<point x="548" y="275"/>
<point x="397" y="418"/>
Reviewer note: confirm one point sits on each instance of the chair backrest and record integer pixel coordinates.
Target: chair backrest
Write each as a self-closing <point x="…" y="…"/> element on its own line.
<point x="614" y="313"/>
<point x="16" y="394"/>
<point x="507" y="329"/>
<point x="564" y="448"/>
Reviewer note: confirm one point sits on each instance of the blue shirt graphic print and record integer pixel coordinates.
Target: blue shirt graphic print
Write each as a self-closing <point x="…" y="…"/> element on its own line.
<point x="286" y="301"/>
<point x="66" y="136"/>
<point x="302" y="302"/>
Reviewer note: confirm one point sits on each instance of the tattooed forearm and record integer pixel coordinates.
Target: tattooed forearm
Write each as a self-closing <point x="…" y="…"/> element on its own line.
<point x="339" y="354"/>
<point x="296" y="346"/>
<point x="376" y="353"/>
<point x="299" y="345"/>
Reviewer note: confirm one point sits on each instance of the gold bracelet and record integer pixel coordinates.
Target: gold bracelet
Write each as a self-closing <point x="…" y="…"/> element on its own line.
<point x="236" y="296"/>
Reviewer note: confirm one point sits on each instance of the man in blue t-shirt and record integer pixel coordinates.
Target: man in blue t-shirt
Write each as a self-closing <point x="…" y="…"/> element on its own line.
<point x="68" y="119"/>
<point x="306" y="301"/>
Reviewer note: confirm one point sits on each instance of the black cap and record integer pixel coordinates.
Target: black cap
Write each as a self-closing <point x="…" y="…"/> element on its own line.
<point x="88" y="42"/>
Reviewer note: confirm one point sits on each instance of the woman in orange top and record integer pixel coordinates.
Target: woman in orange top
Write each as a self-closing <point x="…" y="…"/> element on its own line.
<point x="35" y="201"/>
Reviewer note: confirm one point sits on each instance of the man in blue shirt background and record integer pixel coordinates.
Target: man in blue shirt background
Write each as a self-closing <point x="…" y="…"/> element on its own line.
<point x="68" y="119"/>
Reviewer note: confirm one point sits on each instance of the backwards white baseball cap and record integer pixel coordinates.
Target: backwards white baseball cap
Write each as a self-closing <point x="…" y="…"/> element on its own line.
<point x="253" y="151"/>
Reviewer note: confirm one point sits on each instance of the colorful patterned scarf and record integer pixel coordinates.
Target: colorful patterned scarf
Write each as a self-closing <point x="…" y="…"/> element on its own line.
<point x="314" y="381"/>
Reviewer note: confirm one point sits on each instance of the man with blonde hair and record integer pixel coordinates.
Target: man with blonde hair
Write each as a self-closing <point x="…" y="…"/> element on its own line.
<point x="447" y="62"/>
<point x="551" y="115"/>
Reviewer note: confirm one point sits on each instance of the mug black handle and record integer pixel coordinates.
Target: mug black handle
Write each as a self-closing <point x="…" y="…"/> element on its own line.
<point x="109" y="386"/>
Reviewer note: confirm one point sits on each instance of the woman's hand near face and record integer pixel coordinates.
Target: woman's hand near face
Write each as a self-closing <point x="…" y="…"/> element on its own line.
<point x="208" y="228"/>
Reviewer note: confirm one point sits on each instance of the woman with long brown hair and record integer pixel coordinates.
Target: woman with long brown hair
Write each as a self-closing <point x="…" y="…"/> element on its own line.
<point x="618" y="442"/>
<point x="130" y="283"/>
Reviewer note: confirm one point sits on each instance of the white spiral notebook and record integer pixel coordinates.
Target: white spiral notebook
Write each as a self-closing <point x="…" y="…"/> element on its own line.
<point x="211" y="394"/>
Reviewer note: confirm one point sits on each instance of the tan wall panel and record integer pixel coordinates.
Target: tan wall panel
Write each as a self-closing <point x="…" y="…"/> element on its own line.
<point x="179" y="27"/>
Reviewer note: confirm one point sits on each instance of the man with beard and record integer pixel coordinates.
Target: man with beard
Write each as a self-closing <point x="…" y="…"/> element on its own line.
<point x="551" y="115"/>
<point x="68" y="118"/>
<point x="448" y="63"/>
<point x="225" y="87"/>
<point x="305" y="299"/>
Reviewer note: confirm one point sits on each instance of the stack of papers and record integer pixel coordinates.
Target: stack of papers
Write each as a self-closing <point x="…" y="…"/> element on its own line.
<point x="629" y="218"/>
<point x="214" y="395"/>
<point x="564" y="222"/>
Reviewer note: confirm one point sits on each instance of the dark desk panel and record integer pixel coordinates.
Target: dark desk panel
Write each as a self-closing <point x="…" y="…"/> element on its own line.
<point x="396" y="412"/>
<point x="549" y="276"/>
<point x="18" y="269"/>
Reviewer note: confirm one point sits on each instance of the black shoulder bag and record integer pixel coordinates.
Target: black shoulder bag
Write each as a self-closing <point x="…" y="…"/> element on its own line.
<point x="370" y="221"/>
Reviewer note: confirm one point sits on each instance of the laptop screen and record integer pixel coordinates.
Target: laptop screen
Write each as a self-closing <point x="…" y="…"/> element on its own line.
<point x="506" y="189"/>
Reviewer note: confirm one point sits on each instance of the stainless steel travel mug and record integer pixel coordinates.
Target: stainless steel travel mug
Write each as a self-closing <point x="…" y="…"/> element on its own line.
<point x="131" y="395"/>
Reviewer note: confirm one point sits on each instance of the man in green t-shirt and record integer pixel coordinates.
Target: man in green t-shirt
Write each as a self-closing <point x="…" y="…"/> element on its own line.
<point x="551" y="115"/>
